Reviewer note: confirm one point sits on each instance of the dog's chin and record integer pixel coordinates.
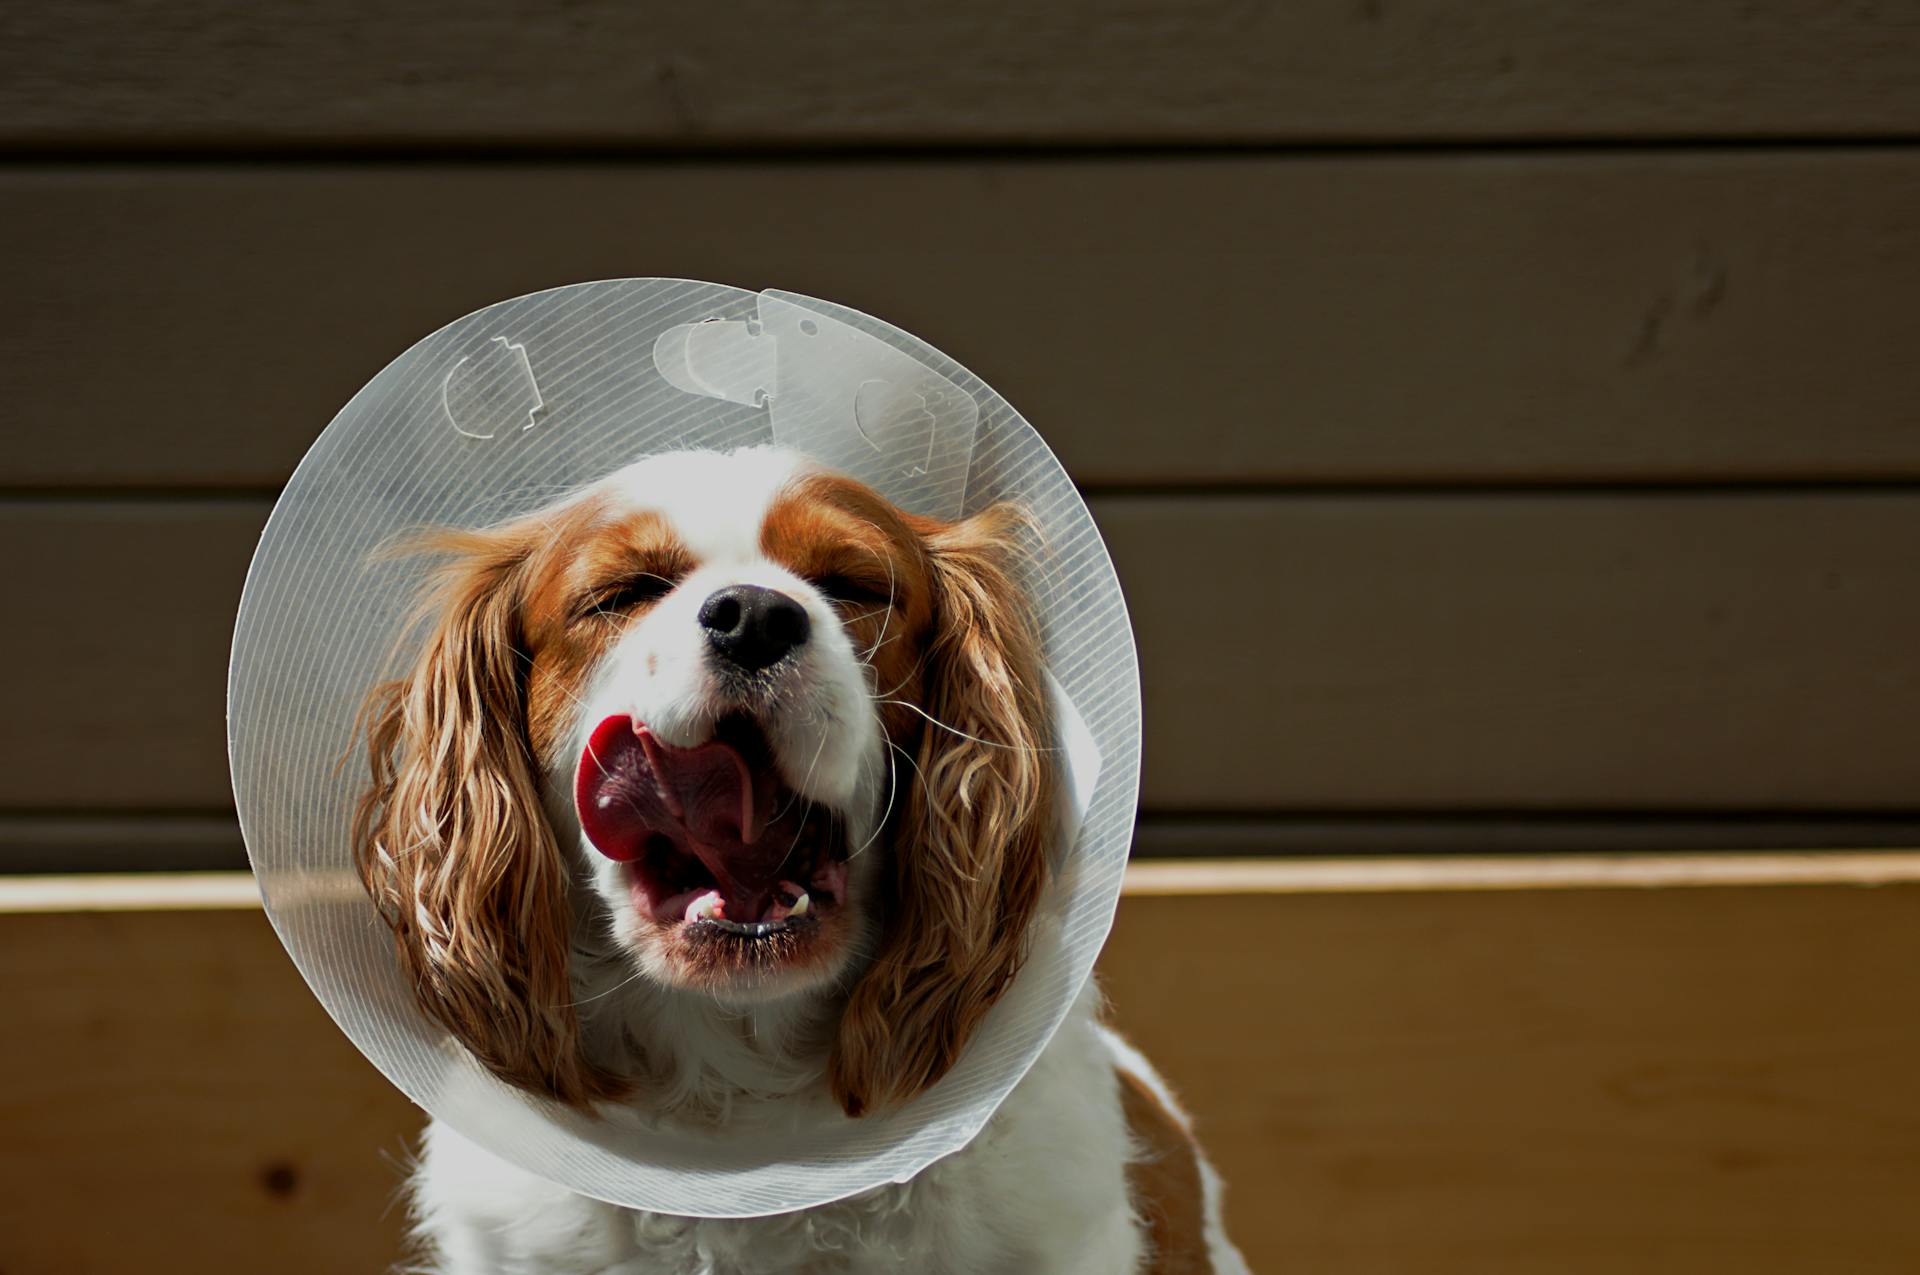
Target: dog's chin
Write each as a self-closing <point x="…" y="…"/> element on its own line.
<point x="738" y="970"/>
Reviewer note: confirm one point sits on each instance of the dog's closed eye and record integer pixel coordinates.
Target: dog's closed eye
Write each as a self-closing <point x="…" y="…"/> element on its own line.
<point x="615" y="600"/>
<point x="852" y="589"/>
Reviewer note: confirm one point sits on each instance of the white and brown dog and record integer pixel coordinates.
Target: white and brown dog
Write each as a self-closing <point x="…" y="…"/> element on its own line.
<point x="724" y="780"/>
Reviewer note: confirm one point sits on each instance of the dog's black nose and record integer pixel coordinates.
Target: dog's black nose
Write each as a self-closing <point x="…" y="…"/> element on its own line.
<point x="753" y="627"/>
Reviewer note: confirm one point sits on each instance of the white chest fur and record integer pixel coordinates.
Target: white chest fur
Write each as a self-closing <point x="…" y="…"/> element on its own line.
<point x="1042" y="1189"/>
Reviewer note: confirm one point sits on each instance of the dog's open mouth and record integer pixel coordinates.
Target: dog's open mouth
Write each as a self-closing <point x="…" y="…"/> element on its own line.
<point x="712" y="837"/>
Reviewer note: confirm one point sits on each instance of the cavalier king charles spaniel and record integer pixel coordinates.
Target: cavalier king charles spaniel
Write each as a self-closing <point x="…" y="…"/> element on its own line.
<point x="724" y="780"/>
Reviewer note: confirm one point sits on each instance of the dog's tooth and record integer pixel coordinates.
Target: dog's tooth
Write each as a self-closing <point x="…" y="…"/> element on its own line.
<point x="800" y="905"/>
<point x="708" y="907"/>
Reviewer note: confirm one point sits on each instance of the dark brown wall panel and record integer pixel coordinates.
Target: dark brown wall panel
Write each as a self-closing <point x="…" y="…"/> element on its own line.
<point x="1457" y="651"/>
<point x="1650" y="317"/>
<point x="1495" y="652"/>
<point x="116" y="695"/>
<point x="754" y="72"/>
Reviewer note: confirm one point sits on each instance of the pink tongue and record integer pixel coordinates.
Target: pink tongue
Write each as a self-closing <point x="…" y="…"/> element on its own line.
<point x="709" y="801"/>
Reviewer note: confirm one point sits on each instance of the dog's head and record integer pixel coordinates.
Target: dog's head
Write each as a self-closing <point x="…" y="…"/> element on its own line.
<point x="797" y="740"/>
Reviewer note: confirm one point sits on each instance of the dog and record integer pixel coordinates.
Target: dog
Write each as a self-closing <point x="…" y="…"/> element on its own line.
<point x="722" y="782"/>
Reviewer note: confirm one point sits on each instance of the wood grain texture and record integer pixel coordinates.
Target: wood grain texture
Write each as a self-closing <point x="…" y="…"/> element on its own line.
<point x="1525" y="652"/>
<point x="1493" y="652"/>
<point x="1611" y="317"/>
<point x="509" y="72"/>
<point x="1570" y="1081"/>
<point x="1415" y="874"/>
<point x="1456" y="1083"/>
<point x="182" y="1079"/>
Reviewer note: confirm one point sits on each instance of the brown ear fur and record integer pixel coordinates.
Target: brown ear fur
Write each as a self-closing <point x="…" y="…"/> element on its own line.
<point x="451" y="842"/>
<point x="969" y="857"/>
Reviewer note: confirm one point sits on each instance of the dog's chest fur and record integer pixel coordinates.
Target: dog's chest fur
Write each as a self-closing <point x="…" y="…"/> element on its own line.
<point x="1043" y="1188"/>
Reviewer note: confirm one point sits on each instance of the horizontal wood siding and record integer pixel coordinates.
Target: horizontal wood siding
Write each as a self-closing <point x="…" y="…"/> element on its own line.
<point x="494" y="73"/>
<point x="1652" y="317"/>
<point x="1525" y="395"/>
<point x="1669" y="651"/>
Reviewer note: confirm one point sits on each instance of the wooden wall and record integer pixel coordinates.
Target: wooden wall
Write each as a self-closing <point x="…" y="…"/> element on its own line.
<point x="1440" y="1067"/>
<point x="1534" y="383"/>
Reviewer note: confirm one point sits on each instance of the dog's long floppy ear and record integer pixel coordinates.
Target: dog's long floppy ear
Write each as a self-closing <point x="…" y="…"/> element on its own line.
<point x="450" y="839"/>
<point x="969" y="860"/>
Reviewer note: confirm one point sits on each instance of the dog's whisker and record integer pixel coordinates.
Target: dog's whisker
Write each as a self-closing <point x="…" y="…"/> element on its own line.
<point x="893" y="789"/>
<point x="954" y="730"/>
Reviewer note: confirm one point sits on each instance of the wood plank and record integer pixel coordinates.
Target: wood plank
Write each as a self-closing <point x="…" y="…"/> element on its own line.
<point x="205" y="1101"/>
<point x="216" y="72"/>
<point x="130" y="892"/>
<point x="151" y="841"/>
<point x="219" y="891"/>
<point x="1667" y="316"/>
<point x="1399" y="874"/>
<point x="1581" y="653"/>
<point x="120" y="699"/>
<point x="1189" y="836"/>
<point x="1580" y="1079"/>
<point x="1525" y="652"/>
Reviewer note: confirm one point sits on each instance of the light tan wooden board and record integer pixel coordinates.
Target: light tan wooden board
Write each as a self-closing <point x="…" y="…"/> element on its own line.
<point x="1579" y="653"/>
<point x="151" y="841"/>
<point x="492" y="73"/>
<point x="175" y="1100"/>
<point x="1658" y="316"/>
<point x="1575" y="1082"/>
<point x="1432" y="1071"/>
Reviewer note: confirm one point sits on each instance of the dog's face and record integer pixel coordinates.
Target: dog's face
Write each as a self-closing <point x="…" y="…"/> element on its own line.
<point x="711" y="674"/>
<point x="796" y="740"/>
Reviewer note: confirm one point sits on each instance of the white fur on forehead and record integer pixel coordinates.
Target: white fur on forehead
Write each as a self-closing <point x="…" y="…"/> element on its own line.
<point x="716" y="501"/>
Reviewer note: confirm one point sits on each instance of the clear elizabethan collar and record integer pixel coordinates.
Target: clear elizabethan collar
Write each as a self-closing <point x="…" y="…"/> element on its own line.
<point x="501" y="413"/>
